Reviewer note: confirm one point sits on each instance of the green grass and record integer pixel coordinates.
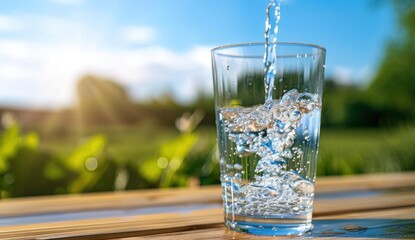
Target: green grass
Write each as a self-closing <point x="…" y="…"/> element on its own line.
<point x="357" y="151"/>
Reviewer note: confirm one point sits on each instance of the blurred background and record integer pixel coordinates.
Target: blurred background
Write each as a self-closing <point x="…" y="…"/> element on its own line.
<point x="116" y="95"/>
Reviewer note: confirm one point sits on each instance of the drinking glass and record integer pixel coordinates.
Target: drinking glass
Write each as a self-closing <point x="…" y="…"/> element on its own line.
<point x="268" y="148"/>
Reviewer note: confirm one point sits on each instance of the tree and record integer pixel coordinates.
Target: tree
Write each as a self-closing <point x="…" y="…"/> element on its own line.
<point x="102" y="100"/>
<point x="393" y="87"/>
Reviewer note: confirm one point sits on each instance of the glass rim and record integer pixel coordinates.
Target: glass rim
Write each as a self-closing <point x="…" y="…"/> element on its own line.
<point x="216" y="50"/>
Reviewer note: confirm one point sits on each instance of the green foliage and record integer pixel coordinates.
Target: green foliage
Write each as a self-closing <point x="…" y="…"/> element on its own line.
<point x="9" y="144"/>
<point x="335" y="104"/>
<point x="187" y="156"/>
<point x="352" y="107"/>
<point x="162" y="170"/>
<point x="89" y="162"/>
<point x="21" y="172"/>
<point x="28" y="171"/>
<point x="388" y="101"/>
<point x="392" y="87"/>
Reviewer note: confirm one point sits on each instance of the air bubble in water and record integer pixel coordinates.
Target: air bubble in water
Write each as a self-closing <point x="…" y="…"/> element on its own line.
<point x="303" y="187"/>
<point x="270" y="134"/>
<point x="237" y="166"/>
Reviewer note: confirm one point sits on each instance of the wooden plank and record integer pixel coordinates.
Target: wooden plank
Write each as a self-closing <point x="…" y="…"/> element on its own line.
<point x="121" y="226"/>
<point x="323" y="207"/>
<point x="371" y="225"/>
<point x="208" y="194"/>
<point x="395" y="213"/>
<point x="365" y="182"/>
<point x="172" y="222"/>
<point x="204" y="234"/>
<point x="105" y="201"/>
<point x="156" y="223"/>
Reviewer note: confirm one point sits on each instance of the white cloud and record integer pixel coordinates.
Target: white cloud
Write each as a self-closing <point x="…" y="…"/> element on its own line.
<point x="343" y="74"/>
<point x="13" y="49"/>
<point x="42" y="70"/>
<point x="138" y="34"/>
<point x="364" y="75"/>
<point x="9" y="24"/>
<point x="45" y="74"/>
<point x="348" y="75"/>
<point x="153" y="70"/>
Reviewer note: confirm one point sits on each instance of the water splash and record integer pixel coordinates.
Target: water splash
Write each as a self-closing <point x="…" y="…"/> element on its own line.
<point x="273" y="14"/>
<point x="270" y="134"/>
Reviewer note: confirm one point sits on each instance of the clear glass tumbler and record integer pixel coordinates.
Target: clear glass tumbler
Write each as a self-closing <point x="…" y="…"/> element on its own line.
<point x="268" y="149"/>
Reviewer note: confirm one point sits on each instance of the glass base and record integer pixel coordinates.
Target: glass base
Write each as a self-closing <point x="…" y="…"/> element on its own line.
<point x="269" y="227"/>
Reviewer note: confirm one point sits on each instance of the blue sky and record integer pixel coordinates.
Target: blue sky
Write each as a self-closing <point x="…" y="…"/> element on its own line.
<point x="156" y="46"/>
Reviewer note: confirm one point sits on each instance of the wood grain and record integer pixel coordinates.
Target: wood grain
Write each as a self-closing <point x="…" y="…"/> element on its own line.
<point x="166" y="197"/>
<point x="199" y="224"/>
<point x="324" y="228"/>
<point x="104" y="201"/>
<point x="365" y="182"/>
<point x="325" y="207"/>
<point x="173" y="222"/>
<point x="120" y="226"/>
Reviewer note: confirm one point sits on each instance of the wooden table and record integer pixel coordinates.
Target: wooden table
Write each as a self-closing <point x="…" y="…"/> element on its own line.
<point x="364" y="206"/>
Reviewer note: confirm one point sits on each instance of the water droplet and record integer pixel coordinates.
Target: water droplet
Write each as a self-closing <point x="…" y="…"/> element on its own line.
<point x="296" y="115"/>
<point x="250" y="82"/>
<point x="237" y="176"/>
<point x="237" y="166"/>
<point x="242" y="150"/>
